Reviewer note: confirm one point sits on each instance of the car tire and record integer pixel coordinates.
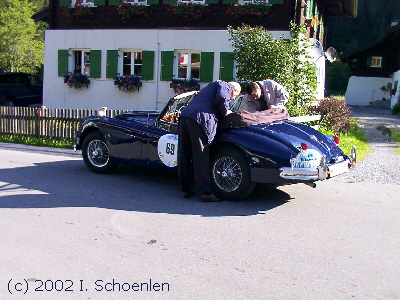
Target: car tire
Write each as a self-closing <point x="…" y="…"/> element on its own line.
<point x="7" y="101"/>
<point x="230" y="174"/>
<point x="96" y="154"/>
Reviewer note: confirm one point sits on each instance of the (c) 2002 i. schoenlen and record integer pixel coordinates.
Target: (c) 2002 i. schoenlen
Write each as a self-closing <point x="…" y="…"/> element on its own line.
<point x="277" y="152"/>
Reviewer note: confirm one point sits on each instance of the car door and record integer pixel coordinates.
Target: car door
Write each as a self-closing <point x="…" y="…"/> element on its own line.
<point x="22" y="90"/>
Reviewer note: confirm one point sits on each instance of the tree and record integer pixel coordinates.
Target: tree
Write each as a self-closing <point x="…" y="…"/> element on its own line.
<point x="285" y="60"/>
<point x="21" y="39"/>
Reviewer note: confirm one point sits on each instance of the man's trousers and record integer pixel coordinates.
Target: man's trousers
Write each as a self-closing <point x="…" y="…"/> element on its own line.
<point x="193" y="154"/>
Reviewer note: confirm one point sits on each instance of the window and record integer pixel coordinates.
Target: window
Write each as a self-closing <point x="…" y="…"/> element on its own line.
<point x="136" y="2"/>
<point x="83" y="2"/>
<point x="192" y="2"/>
<point x="187" y="65"/>
<point x="132" y="62"/>
<point x="376" y="62"/>
<point x="243" y="2"/>
<point x="81" y="61"/>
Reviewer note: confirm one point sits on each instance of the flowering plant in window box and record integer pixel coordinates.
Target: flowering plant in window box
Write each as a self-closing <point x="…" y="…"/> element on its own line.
<point x="257" y="9"/>
<point x="127" y="10"/>
<point x="184" y="85"/>
<point x="77" y="81"/>
<point x="314" y="21"/>
<point x="189" y="10"/>
<point x="128" y="83"/>
<point x="78" y="10"/>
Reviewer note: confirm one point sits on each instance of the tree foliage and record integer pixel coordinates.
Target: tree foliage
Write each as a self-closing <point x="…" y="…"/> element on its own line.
<point x="285" y="60"/>
<point x="21" y="39"/>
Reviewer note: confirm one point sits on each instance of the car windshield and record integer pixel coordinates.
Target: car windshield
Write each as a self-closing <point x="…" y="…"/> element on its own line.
<point x="170" y="115"/>
<point x="238" y="104"/>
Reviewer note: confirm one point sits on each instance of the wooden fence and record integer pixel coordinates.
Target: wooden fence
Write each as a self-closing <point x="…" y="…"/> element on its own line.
<point x="58" y="124"/>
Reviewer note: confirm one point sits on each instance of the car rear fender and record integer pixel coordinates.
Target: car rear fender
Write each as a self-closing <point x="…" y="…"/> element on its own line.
<point x="259" y="149"/>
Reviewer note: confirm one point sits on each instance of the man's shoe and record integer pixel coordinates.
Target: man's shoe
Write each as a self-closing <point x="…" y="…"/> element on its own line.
<point x="187" y="194"/>
<point x="210" y="198"/>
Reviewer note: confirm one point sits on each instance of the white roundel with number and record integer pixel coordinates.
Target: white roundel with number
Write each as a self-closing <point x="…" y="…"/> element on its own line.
<point x="168" y="149"/>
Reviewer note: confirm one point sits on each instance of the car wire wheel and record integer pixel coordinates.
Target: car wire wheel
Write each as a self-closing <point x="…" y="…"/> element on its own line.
<point x="227" y="174"/>
<point x="98" y="154"/>
<point x="230" y="173"/>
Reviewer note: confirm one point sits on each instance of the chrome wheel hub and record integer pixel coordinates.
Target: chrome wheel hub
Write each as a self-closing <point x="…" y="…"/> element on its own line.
<point x="227" y="174"/>
<point x="98" y="154"/>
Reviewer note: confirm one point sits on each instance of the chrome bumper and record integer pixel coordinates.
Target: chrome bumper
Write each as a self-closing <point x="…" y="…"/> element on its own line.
<point x="305" y="174"/>
<point x="322" y="172"/>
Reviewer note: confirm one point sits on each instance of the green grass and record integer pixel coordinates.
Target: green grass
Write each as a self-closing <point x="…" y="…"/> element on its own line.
<point x="44" y="142"/>
<point x="354" y="137"/>
<point x="396" y="139"/>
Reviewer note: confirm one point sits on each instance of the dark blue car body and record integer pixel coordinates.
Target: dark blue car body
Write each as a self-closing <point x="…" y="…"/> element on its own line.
<point x="264" y="153"/>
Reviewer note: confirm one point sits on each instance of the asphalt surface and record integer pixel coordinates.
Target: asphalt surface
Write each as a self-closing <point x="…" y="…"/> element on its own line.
<point x="71" y="234"/>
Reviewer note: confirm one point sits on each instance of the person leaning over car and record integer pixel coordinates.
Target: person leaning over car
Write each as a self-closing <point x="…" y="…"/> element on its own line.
<point x="265" y="94"/>
<point x="197" y="128"/>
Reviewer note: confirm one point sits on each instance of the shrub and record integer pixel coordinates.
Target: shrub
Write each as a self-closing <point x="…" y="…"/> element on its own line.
<point x="286" y="60"/>
<point x="335" y="115"/>
<point x="396" y="109"/>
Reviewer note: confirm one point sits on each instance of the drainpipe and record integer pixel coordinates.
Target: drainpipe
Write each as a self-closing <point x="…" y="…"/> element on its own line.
<point x="157" y="73"/>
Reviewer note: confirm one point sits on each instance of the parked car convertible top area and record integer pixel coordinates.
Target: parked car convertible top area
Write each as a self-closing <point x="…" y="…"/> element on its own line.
<point x="20" y="89"/>
<point x="250" y="148"/>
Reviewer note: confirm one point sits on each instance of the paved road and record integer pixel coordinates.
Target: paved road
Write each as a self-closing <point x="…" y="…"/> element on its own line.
<point x="65" y="228"/>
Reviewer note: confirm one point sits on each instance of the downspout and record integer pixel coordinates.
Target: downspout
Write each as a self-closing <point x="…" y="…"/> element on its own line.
<point x="157" y="70"/>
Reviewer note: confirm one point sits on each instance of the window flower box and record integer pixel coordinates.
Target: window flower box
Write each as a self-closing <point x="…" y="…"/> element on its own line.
<point x="256" y="9"/>
<point x="128" y="10"/>
<point x="128" y="83"/>
<point x="189" y="10"/>
<point x="77" y="81"/>
<point x="182" y="86"/>
<point x="313" y="22"/>
<point x="77" y="11"/>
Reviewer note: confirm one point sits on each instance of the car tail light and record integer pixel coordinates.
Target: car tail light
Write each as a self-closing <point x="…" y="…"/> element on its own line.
<point x="304" y="146"/>
<point x="336" y="139"/>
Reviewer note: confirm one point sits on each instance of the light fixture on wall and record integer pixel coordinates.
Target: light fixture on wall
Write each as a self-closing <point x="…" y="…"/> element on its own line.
<point x="330" y="55"/>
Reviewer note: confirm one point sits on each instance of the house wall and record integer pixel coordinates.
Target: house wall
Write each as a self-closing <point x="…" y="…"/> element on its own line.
<point x="363" y="90"/>
<point x="396" y="97"/>
<point x="101" y="92"/>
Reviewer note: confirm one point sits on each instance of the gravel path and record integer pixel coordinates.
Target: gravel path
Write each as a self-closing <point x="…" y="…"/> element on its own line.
<point x="381" y="165"/>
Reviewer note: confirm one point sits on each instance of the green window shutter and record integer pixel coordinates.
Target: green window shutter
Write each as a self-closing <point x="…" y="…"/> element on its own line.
<point x="114" y="2"/>
<point x="369" y="61"/>
<point x="62" y="62"/>
<point x="212" y="1"/>
<point x="153" y="2"/>
<point x="206" y="66"/>
<point x="167" y="65"/>
<point x="170" y="1"/>
<point x="275" y="2"/>
<point x="95" y="63"/>
<point x="112" y="63"/>
<point x="226" y="66"/>
<point x="99" y="2"/>
<point x="148" y="65"/>
<point x="231" y="1"/>
<point x="65" y="3"/>
<point x="310" y="9"/>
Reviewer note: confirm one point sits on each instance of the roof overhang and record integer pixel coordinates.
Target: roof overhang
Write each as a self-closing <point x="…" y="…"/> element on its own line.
<point x="42" y="15"/>
<point x="341" y="8"/>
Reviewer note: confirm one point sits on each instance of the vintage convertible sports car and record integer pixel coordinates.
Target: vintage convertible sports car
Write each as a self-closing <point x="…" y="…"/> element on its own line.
<point x="262" y="147"/>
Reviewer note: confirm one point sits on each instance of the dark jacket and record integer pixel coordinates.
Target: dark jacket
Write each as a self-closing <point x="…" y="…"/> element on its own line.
<point x="208" y="106"/>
